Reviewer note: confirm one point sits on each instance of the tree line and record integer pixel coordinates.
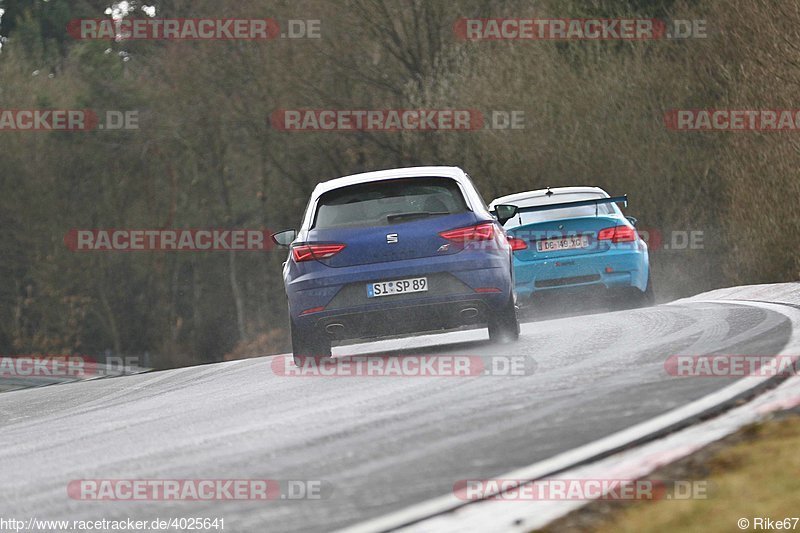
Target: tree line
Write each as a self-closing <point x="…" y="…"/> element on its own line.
<point x="206" y="155"/>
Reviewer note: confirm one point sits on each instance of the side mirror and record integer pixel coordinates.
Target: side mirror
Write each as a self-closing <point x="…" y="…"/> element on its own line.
<point x="504" y="212"/>
<point x="285" y="237"/>
<point x="633" y="220"/>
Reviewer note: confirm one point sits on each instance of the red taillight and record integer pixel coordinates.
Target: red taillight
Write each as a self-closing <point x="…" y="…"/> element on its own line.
<point x="617" y="234"/>
<point x="606" y="234"/>
<point x="517" y="244"/>
<point x="307" y="252"/>
<point x="312" y="310"/>
<point x="481" y="232"/>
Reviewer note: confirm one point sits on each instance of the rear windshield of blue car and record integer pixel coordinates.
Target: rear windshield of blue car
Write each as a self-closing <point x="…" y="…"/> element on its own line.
<point x="382" y="203"/>
<point x="522" y="219"/>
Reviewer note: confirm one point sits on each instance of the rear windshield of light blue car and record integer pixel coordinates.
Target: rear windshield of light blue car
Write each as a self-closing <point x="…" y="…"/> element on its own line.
<point x="522" y="219"/>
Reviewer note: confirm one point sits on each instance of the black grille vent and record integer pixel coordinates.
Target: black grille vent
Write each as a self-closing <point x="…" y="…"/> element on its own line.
<point x="566" y="281"/>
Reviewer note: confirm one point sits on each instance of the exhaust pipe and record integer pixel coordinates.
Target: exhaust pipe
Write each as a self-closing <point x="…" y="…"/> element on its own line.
<point x="334" y="329"/>
<point x="468" y="313"/>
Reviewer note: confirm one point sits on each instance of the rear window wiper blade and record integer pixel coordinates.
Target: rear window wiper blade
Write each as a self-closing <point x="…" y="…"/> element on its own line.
<point x="416" y="214"/>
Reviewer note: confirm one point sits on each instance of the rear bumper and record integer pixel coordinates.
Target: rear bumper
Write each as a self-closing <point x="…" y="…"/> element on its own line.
<point x="339" y="295"/>
<point x="628" y="268"/>
<point x="422" y="317"/>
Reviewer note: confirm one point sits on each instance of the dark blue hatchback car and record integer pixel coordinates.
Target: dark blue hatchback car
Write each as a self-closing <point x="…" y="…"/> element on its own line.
<point x="395" y="252"/>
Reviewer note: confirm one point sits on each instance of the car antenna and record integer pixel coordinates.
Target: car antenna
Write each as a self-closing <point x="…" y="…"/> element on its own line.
<point x="549" y="192"/>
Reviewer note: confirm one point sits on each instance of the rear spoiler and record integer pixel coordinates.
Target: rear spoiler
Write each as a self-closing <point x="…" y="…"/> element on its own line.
<point x="614" y="199"/>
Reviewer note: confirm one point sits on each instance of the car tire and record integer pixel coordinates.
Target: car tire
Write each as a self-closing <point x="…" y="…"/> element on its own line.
<point x="649" y="295"/>
<point x="504" y="327"/>
<point x="308" y="344"/>
<point x="633" y="298"/>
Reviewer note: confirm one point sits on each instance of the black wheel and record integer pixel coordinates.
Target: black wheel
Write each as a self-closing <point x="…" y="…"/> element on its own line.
<point x="649" y="295"/>
<point x="633" y="298"/>
<point x="504" y="327"/>
<point x="308" y="344"/>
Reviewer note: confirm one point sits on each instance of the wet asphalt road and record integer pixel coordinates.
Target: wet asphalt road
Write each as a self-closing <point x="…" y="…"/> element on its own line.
<point x="378" y="444"/>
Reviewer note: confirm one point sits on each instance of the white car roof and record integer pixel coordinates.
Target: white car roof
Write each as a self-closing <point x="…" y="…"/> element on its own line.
<point x="392" y="173"/>
<point x="471" y="195"/>
<point x="539" y="196"/>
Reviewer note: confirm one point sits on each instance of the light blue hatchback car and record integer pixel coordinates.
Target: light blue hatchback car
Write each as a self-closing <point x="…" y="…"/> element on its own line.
<point x="575" y="239"/>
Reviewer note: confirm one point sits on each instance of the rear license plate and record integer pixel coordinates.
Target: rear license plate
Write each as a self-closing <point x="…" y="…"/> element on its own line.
<point x="400" y="286"/>
<point x="562" y="243"/>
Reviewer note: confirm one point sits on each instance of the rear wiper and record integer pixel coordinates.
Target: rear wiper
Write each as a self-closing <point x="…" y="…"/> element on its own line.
<point x="416" y="214"/>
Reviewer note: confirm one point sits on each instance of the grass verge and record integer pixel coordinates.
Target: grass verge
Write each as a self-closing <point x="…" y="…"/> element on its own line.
<point x="754" y="473"/>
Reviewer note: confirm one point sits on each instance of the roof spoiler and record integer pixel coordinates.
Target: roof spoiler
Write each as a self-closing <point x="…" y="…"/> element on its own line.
<point x="564" y="205"/>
